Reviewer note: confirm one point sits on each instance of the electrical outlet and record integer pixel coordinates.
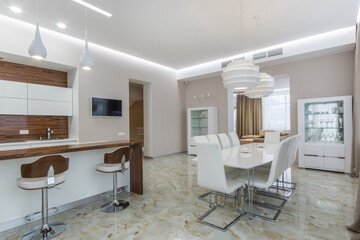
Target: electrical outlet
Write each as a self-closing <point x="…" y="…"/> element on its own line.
<point x="121" y="133"/>
<point x="24" y="131"/>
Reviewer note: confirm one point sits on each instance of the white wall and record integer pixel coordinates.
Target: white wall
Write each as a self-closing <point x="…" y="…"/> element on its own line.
<point x="109" y="78"/>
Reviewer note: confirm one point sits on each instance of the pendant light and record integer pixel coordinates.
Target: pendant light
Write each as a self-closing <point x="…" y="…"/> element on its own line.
<point x="37" y="49"/>
<point x="240" y="75"/>
<point x="264" y="89"/>
<point x="86" y="61"/>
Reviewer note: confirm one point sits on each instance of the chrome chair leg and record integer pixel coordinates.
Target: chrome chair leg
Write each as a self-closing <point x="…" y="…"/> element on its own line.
<point x="115" y="205"/>
<point x="46" y="230"/>
<point x="215" y="205"/>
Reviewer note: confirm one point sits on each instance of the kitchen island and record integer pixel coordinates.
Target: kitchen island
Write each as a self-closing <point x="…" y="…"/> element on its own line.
<point x="82" y="182"/>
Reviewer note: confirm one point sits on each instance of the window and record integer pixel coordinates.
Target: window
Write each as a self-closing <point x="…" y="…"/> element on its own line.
<point x="235" y="101"/>
<point x="276" y="110"/>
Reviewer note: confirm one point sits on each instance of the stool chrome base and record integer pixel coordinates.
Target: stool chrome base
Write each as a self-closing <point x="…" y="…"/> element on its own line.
<point x="40" y="232"/>
<point x="114" y="206"/>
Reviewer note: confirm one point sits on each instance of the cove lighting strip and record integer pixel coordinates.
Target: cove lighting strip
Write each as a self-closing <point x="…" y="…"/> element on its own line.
<point x="92" y="7"/>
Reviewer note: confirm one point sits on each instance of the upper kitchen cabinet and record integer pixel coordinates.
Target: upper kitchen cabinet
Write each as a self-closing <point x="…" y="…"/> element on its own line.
<point x="49" y="100"/>
<point x="13" y="98"/>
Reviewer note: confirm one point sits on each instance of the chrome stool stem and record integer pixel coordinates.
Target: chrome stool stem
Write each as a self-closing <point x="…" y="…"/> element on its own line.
<point x="115" y="205"/>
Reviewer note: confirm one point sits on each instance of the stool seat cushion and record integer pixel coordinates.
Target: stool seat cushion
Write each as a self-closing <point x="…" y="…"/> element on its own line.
<point x="38" y="183"/>
<point x="111" y="167"/>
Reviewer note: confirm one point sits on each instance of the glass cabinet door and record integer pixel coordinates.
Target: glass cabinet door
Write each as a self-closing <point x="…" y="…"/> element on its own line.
<point x="324" y="122"/>
<point x="199" y="122"/>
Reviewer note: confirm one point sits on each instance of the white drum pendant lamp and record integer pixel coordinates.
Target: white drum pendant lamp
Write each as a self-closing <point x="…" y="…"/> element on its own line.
<point x="264" y="89"/>
<point x="241" y="76"/>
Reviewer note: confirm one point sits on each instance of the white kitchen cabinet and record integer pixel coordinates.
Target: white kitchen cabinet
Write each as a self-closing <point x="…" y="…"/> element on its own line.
<point x="49" y="108"/>
<point x="49" y="93"/>
<point x="13" y="106"/>
<point x="201" y="121"/>
<point x="325" y="125"/>
<point x="11" y="89"/>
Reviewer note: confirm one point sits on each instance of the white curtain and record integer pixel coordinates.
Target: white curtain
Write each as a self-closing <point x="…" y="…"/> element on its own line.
<point x="276" y="111"/>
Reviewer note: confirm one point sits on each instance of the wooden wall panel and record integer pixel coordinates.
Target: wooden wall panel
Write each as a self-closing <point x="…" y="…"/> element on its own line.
<point x="24" y="73"/>
<point x="10" y="125"/>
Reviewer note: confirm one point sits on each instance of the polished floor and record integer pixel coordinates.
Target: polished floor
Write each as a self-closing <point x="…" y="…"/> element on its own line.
<point x="319" y="209"/>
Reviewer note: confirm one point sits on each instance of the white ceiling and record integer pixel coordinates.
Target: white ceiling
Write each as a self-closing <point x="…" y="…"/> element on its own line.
<point x="183" y="33"/>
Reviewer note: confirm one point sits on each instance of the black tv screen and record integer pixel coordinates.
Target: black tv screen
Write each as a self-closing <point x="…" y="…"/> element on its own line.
<point x="102" y="107"/>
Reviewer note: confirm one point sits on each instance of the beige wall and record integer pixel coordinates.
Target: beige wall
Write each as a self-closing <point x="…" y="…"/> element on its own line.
<point x="326" y="76"/>
<point x="218" y="98"/>
<point x="110" y="79"/>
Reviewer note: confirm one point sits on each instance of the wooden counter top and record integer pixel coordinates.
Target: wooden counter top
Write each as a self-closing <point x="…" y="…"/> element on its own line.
<point x="41" y="151"/>
<point x="136" y="171"/>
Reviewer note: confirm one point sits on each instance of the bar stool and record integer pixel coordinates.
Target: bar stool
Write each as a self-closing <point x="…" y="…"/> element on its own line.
<point x="117" y="161"/>
<point x="43" y="174"/>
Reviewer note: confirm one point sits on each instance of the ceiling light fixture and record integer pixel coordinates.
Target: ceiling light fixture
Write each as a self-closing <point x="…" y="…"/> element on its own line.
<point x="15" y="9"/>
<point x="240" y="75"/>
<point x="92" y="7"/>
<point x="61" y="25"/>
<point x="37" y="49"/>
<point x="264" y="89"/>
<point x="86" y="61"/>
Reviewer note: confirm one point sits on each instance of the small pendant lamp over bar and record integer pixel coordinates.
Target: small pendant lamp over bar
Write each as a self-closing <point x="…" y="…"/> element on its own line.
<point x="264" y="89"/>
<point x="37" y="49"/>
<point x="86" y="61"/>
<point x="241" y="76"/>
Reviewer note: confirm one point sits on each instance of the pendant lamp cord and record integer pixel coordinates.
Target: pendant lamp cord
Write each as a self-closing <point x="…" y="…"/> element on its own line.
<point x="37" y="10"/>
<point x="86" y="21"/>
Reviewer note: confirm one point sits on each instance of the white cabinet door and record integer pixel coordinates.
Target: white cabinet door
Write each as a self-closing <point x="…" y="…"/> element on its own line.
<point x="314" y="162"/>
<point x="13" y="106"/>
<point x="336" y="164"/>
<point x="43" y="92"/>
<point x="50" y="108"/>
<point x="12" y="89"/>
<point x="314" y="149"/>
<point x="334" y="151"/>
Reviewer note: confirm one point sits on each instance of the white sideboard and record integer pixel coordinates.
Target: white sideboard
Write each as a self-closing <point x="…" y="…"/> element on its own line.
<point x="18" y="98"/>
<point x="325" y="125"/>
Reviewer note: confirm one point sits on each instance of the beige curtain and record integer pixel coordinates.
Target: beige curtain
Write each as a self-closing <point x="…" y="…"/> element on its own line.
<point x="355" y="161"/>
<point x="356" y="134"/>
<point x="249" y="115"/>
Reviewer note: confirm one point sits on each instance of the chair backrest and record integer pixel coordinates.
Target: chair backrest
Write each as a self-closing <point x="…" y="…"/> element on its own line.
<point x="234" y="139"/>
<point x="210" y="167"/>
<point x="117" y="155"/>
<point x="198" y="139"/>
<point x="272" y="137"/>
<point x="213" y="138"/>
<point x="224" y="140"/>
<point x="293" y="149"/>
<point x="280" y="161"/>
<point x="40" y="167"/>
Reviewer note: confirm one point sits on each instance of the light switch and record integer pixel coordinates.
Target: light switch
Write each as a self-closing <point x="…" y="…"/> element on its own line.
<point x="24" y="131"/>
<point x="121" y="133"/>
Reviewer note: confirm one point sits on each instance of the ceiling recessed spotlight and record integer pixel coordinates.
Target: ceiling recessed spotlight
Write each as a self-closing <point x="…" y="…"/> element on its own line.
<point x="15" y="9"/>
<point x="61" y="25"/>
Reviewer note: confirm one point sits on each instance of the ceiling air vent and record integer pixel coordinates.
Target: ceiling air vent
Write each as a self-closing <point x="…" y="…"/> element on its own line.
<point x="224" y="64"/>
<point x="275" y="52"/>
<point x="258" y="56"/>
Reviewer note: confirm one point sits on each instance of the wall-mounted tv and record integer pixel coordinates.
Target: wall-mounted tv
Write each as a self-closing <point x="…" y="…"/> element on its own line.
<point x="102" y="107"/>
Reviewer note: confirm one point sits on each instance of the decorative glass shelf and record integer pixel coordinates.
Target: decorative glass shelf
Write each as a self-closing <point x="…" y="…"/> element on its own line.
<point x="199" y="118"/>
<point x="199" y="127"/>
<point x="312" y="114"/>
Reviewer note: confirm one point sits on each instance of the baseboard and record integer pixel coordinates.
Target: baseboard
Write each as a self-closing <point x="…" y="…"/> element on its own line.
<point x="63" y="208"/>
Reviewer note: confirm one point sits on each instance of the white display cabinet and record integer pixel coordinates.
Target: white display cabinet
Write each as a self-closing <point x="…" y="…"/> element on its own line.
<point x="325" y="125"/>
<point x="200" y="121"/>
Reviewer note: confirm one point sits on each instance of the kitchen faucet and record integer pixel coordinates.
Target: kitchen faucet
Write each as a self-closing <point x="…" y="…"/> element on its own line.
<point x="49" y="132"/>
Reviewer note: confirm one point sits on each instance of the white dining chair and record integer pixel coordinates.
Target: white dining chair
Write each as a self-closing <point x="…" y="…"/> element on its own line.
<point x="213" y="138"/>
<point x="234" y="139"/>
<point x="224" y="140"/>
<point x="272" y="137"/>
<point x="211" y="175"/>
<point x="264" y="180"/>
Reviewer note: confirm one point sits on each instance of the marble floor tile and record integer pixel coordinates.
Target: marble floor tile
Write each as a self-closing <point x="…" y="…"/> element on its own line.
<point x="322" y="205"/>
